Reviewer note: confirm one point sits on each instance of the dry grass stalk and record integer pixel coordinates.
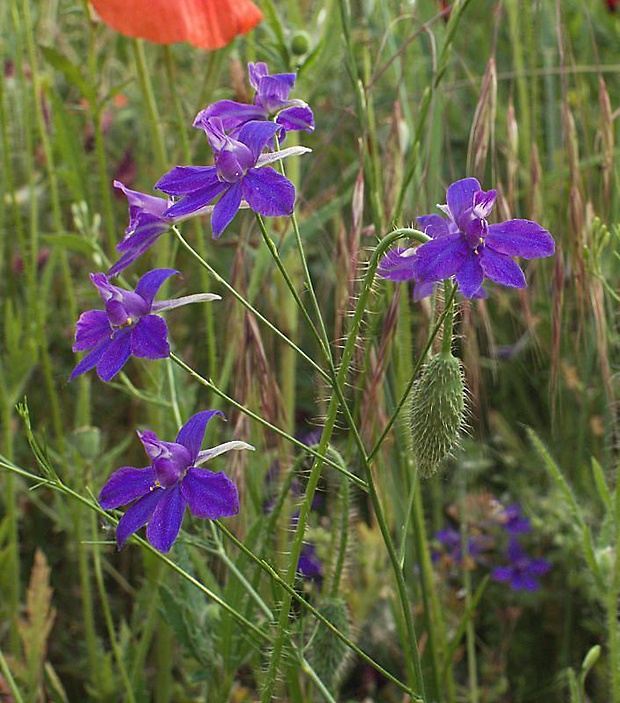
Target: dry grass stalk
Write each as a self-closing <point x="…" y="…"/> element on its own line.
<point x="482" y="134"/>
<point x="512" y="154"/>
<point x="557" y="296"/>
<point x="607" y="137"/>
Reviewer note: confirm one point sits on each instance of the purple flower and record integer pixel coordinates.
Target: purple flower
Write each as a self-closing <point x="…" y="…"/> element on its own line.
<point x="309" y="564"/>
<point x="271" y="99"/>
<point x="128" y="326"/>
<point x="467" y="247"/>
<point x="513" y="521"/>
<point x="171" y="483"/>
<point x="396" y="266"/>
<point x="147" y="223"/>
<point x="240" y="173"/>
<point x="450" y="539"/>
<point x="523" y="571"/>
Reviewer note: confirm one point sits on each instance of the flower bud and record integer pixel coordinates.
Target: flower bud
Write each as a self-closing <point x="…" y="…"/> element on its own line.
<point x="329" y="654"/>
<point x="300" y="43"/>
<point x="437" y="412"/>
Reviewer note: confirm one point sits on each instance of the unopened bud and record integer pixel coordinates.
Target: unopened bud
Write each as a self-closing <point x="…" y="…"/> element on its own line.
<point x="437" y="412"/>
<point x="300" y="43"/>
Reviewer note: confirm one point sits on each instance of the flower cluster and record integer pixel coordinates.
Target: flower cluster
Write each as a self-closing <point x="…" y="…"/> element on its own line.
<point x="482" y="545"/>
<point x="465" y="246"/>
<point x="244" y="139"/>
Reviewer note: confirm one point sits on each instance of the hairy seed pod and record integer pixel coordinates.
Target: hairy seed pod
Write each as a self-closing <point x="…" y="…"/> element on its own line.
<point x="329" y="654"/>
<point x="437" y="412"/>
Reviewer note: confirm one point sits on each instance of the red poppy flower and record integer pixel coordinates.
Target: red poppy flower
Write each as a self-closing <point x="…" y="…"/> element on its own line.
<point x="208" y="24"/>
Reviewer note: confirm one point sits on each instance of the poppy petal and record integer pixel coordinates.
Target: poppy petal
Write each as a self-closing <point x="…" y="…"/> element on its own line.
<point x="208" y="24"/>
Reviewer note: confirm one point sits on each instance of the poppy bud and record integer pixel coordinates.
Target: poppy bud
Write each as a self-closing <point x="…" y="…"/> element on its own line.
<point x="437" y="412"/>
<point x="329" y="654"/>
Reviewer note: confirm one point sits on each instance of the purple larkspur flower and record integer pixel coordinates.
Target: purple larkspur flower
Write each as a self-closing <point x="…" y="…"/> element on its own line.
<point x="147" y="223"/>
<point x="396" y="266"/>
<point x="241" y="172"/>
<point x="467" y="247"/>
<point x="522" y="572"/>
<point x="129" y="325"/>
<point x="309" y="564"/>
<point x="450" y="539"/>
<point x="172" y="482"/>
<point x="271" y="99"/>
<point x="513" y="521"/>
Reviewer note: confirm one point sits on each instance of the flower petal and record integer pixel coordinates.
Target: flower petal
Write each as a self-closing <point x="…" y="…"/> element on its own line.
<point x="397" y="264"/>
<point x="151" y="282"/>
<point x="125" y="485"/>
<point x="209" y="454"/>
<point x="268" y="192"/>
<point x="502" y="573"/>
<point x="135" y="245"/>
<point x="256" y="134"/>
<point x="137" y="515"/>
<point x="90" y="360"/>
<point x="270" y="157"/>
<point x="439" y="258"/>
<point x="470" y="275"/>
<point x="165" y="522"/>
<point x="163" y="305"/>
<point x="206" y="24"/>
<point x="115" y="356"/>
<point x="434" y="226"/>
<point x="196" y="203"/>
<point x="501" y="269"/>
<point x="520" y="238"/>
<point x="231" y="113"/>
<point x="182" y="180"/>
<point x="149" y="338"/>
<point x="460" y="197"/>
<point x="92" y="328"/>
<point x="225" y="209"/>
<point x="192" y="434"/>
<point x="210" y="495"/>
<point x="296" y="117"/>
<point x="483" y="203"/>
<point x="142" y="203"/>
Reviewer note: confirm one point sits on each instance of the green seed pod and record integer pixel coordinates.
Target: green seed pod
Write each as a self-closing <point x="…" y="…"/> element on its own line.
<point x="437" y="412"/>
<point x="329" y="654"/>
<point x="300" y="43"/>
<point x="87" y="442"/>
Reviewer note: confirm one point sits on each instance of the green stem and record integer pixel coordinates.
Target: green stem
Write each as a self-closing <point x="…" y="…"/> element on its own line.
<point x="612" y="598"/>
<point x="107" y="614"/>
<point x="449" y="290"/>
<point x="268" y="569"/>
<point x="211" y="386"/>
<point x="412" y="656"/>
<point x="414" y="374"/>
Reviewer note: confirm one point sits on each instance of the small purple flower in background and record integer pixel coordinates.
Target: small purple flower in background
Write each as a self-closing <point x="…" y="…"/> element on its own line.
<point x="523" y="571"/>
<point x="171" y="483"/>
<point x="309" y="564"/>
<point x="240" y="173"/>
<point x="450" y="539"/>
<point x="271" y="99"/>
<point x="467" y="247"/>
<point x="129" y="326"/>
<point x="513" y="521"/>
